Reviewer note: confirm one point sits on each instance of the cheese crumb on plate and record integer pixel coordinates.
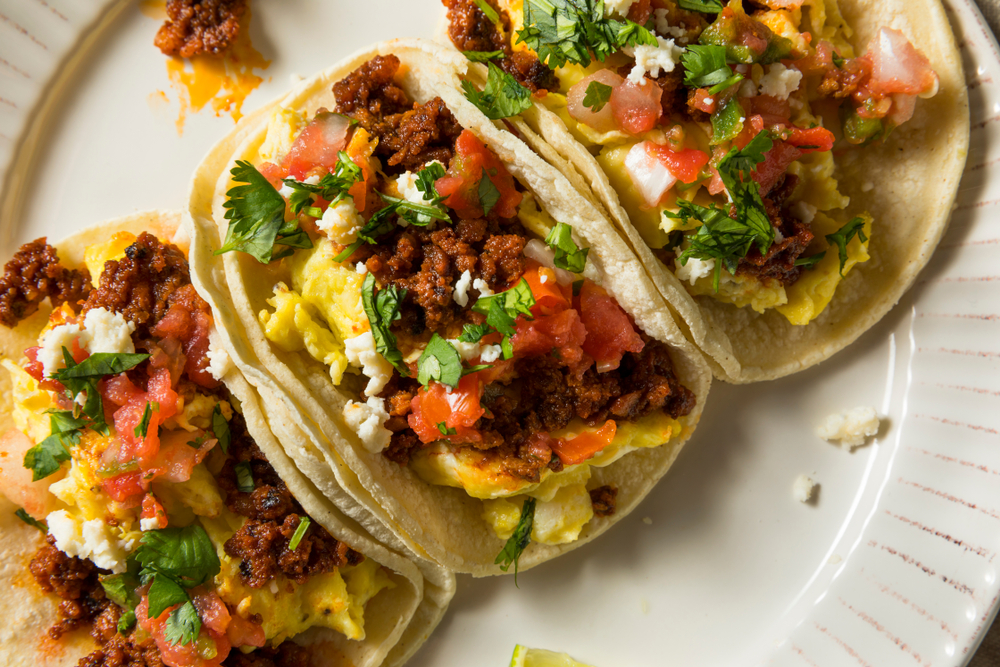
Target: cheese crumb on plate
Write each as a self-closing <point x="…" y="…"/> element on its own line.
<point x="851" y="428"/>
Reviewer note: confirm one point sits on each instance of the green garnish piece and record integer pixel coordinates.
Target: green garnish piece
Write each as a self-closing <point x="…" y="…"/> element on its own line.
<point x="142" y="428"/>
<point x="332" y="187"/>
<point x="446" y="430"/>
<point x="244" y="477"/>
<point x="502" y="309"/>
<point x="440" y="361"/>
<point x="502" y="97"/>
<point x="299" y="533"/>
<point x="482" y="56"/>
<point x="489" y="194"/>
<point x="183" y="625"/>
<point x="220" y="427"/>
<point x="382" y="310"/>
<point x="705" y="65"/>
<point x="185" y="556"/>
<point x="519" y="540"/>
<point x="843" y="236"/>
<point x="45" y="458"/>
<point x="30" y="520"/>
<point x="485" y="8"/>
<point x="473" y="333"/>
<point x="811" y="261"/>
<point x="704" y="6"/>
<point x="597" y="96"/>
<point x="727" y="122"/>
<point x="568" y="255"/>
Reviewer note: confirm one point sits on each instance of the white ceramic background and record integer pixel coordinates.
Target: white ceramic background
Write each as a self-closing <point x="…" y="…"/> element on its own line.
<point x="719" y="566"/>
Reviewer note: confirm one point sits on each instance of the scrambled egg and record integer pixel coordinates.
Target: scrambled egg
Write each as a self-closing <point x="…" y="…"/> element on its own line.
<point x="282" y="129"/>
<point x="320" y="311"/>
<point x="333" y="600"/>
<point x="96" y="255"/>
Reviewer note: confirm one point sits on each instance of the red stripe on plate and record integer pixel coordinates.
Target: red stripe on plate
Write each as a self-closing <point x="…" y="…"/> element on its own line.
<point x="926" y="569"/>
<point x="903" y="646"/>
<point x="842" y="643"/>
<point x="951" y="422"/>
<point x="950" y="498"/>
<point x="915" y="607"/>
<point x="979" y="551"/>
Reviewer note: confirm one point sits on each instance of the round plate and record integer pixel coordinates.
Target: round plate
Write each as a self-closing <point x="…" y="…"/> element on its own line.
<point x="719" y="566"/>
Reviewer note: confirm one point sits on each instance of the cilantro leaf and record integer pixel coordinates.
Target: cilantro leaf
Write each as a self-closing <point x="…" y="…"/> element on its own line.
<point x="121" y="589"/>
<point x="519" y="540"/>
<point x="163" y="594"/>
<point x="568" y="255"/>
<point x="45" y="458"/>
<point x="576" y="31"/>
<point x="843" y="236"/>
<point x="256" y="214"/>
<point x="705" y="65"/>
<point x="349" y="250"/>
<point x="244" y="477"/>
<point x="502" y="309"/>
<point x="445" y="429"/>
<point x="838" y="60"/>
<point x="473" y="333"/>
<point x="420" y="215"/>
<point x="183" y="625"/>
<point x="490" y="13"/>
<point x="142" y="427"/>
<point x="30" y="520"/>
<point x="440" y="361"/>
<point x="704" y="6"/>
<point x="811" y="261"/>
<point x="332" y="187"/>
<point x="489" y="194"/>
<point x="299" y="533"/>
<point x="502" y="97"/>
<point x="126" y="621"/>
<point x="185" y="555"/>
<point x="427" y="177"/>
<point x="482" y="56"/>
<point x="597" y="96"/>
<point x="382" y="310"/>
<point x="100" y="365"/>
<point x="220" y="427"/>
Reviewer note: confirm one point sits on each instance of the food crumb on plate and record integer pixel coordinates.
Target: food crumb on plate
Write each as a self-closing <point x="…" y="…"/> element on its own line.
<point x="804" y="488"/>
<point x="646" y="520"/>
<point x="851" y="428"/>
<point x="834" y="559"/>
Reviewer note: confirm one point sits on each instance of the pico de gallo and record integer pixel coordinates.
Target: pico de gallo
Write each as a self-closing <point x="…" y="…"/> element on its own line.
<point x="449" y="306"/>
<point x="168" y="536"/>
<point x="715" y="122"/>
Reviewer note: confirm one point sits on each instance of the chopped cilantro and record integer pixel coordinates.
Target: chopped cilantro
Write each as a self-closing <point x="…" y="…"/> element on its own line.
<point x="256" y="214"/>
<point x="489" y="195"/>
<point x="426" y="178"/>
<point x="704" y="6"/>
<point x="597" y="96"/>
<point x="445" y="429"/>
<point x="126" y="621"/>
<point x="490" y="13"/>
<point x="705" y="65"/>
<point x="147" y="415"/>
<point x="382" y="310"/>
<point x="577" y="31"/>
<point x="420" y="215"/>
<point x="220" y="427"/>
<point x="519" y="540"/>
<point x="811" y="261"/>
<point x="473" y="333"/>
<point x="45" y="458"/>
<point x="502" y="97"/>
<point x="502" y="309"/>
<point x="299" y="533"/>
<point x="843" y="236"/>
<point x="568" y="255"/>
<point x="244" y="477"/>
<point x="440" y="361"/>
<point x="332" y="187"/>
<point x="163" y="593"/>
<point x="838" y="60"/>
<point x="185" y="556"/>
<point x="349" y="250"/>
<point x="30" y="520"/>
<point x="482" y="56"/>
<point x="121" y="589"/>
<point x="183" y="625"/>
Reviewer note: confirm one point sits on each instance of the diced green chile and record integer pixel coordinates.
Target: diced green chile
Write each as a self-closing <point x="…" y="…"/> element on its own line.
<point x="727" y="122"/>
<point x="746" y="40"/>
<point x="858" y="130"/>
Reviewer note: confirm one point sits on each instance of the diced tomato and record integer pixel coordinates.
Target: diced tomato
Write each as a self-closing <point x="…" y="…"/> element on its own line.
<point x="168" y="353"/>
<point x="125" y="487"/>
<point x="176" y="457"/>
<point x="562" y="332"/>
<point x="637" y="108"/>
<point x="603" y="120"/>
<point x="458" y="409"/>
<point x="705" y="101"/>
<point x="584" y="446"/>
<point x="152" y="509"/>
<point x="686" y="165"/>
<point x="177" y="323"/>
<point x="192" y="654"/>
<point x="318" y="145"/>
<point x="119" y="390"/>
<point x="242" y="632"/>
<point x="753" y="126"/>
<point x="196" y="352"/>
<point x="715" y="185"/>
<point x="811" y="140"/>
<point x="460" y="186"/>
<point x="213" y="611"/>
<point x="16" y="480"/>
<point x="769" y="172"/>
<point x="610" y="332"/>
<point x="160" y="390"/>
<point x="129" y="416"/>
<point x="273" y="173"/>
<point x="549" y="296"/>
<point x="897" y="67"/>
<point x="771" y="110"/>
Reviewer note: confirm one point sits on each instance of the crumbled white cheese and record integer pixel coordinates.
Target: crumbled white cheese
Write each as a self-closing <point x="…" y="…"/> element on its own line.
<point x="367" y="420"/>
<point x="467" y="351"/>
<point x="149" y="524"/>
<point x="780" y="81"/>
<point x="803" y="488"/>
<point x="804" y="211"/>
<point x="407" y="186"/>
<point x="287" y="191"/>
<point x="748" y="88"/>
<point x="694" y="269"/>
<point x="653" y="59"/>
<point x="461" y="293"/>
<point x="490" y="353"/>
<point x="361" y="353"/>
<point x="480" y="285"/>
<point x="274" y="587"/>
<point x="851" y="428"/>
<point x="663" y="25"/>
<point x="109" y="332"/>
<point x="361" y="268"/>
<point x="543" y="278"/>
<point x="54" y="340"/>
<point x="618" y="8"/>
<point x="219" y="361"/>
<point x="341" y="222"/>
<point x="91" y="539"/>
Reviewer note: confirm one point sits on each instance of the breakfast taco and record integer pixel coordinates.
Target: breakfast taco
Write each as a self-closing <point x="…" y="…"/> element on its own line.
<point x="473" y="353"/>
<point x="150" y="516"/>
<point x="784" y="168"/>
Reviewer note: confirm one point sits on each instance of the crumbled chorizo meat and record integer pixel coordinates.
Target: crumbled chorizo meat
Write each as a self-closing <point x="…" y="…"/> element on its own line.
<point x="145" y="283"/>
<point x="34" y="274"/>
<point x="779" y="261"/>
<point x="502" y="261"/>
<point x="199" y="27"/>
<point x="75" y="581"/>
<point x="603" y="500"/>
<point x="471" y="30"/>
<point x="288" y="654"/>
<point x="262" y="544"/>
<point x="674" y="96"/>
<point x="116" y="650"/>
<point x="409" y="135"/>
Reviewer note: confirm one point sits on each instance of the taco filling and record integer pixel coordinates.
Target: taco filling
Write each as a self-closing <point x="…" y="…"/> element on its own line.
<point x="715" y="125"/>
<point x="450" y="307"/>
<point x="168" y="533"/>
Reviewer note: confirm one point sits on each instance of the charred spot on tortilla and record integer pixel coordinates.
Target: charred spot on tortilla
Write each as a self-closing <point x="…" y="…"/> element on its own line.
<point x="199" y="27"/>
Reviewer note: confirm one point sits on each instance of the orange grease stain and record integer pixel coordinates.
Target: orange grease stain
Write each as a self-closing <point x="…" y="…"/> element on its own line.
<point x="222" y="82"/>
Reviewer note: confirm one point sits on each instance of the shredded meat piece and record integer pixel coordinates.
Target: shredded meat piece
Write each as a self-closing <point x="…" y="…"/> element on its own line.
<point x="262" y="544"/>
<point x="198" y="27"/>
<point x="675" y="95"/>
<point x="603" y="500"/>
<point x="75" y="581"/>
<point x="409" y="135"/>
<point x="471" y="30"/>
<point x="502" y="261"/>
<point x="34" y="274"/>
<point x="779" y="261"/>
<point x="144" y="284"/>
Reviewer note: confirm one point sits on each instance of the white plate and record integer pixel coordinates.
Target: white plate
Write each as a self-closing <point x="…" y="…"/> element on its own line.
<point x="894" y="565"/>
